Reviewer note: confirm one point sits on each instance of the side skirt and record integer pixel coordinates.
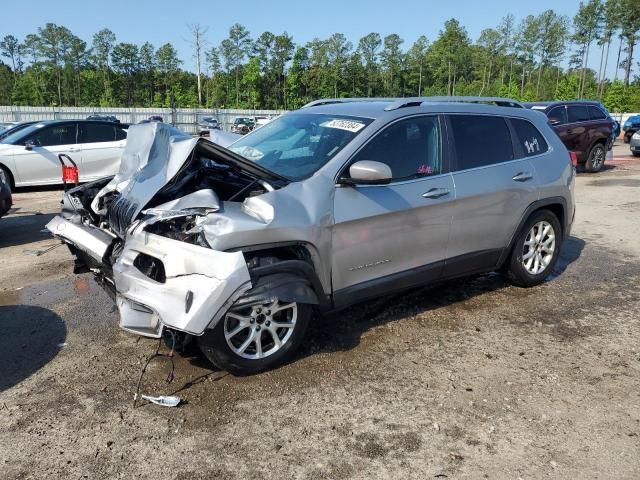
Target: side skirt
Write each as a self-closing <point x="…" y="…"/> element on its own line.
<point x="464" y="265"/>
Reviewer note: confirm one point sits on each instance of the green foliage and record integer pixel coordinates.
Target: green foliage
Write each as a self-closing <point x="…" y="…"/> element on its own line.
<point x="521" y="60"/>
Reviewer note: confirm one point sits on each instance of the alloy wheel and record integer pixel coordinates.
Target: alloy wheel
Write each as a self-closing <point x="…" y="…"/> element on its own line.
<point x="260" y="330"/>
<point x="598" y="158"/>
<point x="539" y="247"/>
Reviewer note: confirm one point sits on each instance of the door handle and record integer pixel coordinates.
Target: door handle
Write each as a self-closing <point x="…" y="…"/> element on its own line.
<point x="74" y="149"/>
<point x="436" y="193"/>
<point x="522" y="176"/>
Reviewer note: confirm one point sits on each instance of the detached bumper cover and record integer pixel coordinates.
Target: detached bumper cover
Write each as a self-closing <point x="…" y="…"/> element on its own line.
<point x="199" y="284"/>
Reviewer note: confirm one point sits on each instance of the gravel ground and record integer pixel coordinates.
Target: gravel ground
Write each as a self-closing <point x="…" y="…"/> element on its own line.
<point x="470" y="379"/>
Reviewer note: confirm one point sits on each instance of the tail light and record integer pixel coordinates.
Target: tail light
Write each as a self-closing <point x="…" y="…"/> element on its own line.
<point x="574" y="158"/>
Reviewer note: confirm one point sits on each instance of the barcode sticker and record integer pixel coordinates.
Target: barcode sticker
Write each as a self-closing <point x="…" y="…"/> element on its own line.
<point x="349" y="125"/>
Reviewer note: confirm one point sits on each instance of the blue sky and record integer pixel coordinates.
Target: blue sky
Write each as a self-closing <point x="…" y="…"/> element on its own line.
<point x="162" y="21"/>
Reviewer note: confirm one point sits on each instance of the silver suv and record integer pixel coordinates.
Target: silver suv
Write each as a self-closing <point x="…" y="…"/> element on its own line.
<point x="323" y="207"/>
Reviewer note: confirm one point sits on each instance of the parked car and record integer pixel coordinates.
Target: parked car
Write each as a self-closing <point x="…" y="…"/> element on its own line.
<point x="104" y="118"/>
<point x="583" y="126"/>
<point x="635" y="144"/>
<point x="209" y="123"/>
<point x="333" y="204"/>
<point x="30" y="155"/>
<point x="14" y="128"/>
<point x="260" y="122"/>
<point x="631" y="126"/>
<point x="5" y="193"/>
<point x="242" y="125"/>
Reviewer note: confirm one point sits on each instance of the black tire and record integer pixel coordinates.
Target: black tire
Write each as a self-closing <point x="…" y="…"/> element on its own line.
<point x="627" y="139"/>
<point x="596" y="158"/>
<point x="9" y="177"/>
<point x="636" y="154"/>
<point x="215" y="347"/>
<point x="516" y="272"/>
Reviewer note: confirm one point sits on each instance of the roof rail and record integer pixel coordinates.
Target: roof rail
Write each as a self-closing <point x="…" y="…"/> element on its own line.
<point x="328" y="101"/>
<point x="415" y="101"/>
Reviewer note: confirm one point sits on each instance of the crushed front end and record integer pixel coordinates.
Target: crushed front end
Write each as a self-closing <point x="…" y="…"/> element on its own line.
<point x="141" y="232"/>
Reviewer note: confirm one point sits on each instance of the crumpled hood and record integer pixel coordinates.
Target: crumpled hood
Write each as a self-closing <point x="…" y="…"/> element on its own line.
<point x="154" y="153"/>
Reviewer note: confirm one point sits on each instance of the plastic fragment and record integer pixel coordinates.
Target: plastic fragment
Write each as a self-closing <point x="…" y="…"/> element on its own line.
<point x="163" y="400"/>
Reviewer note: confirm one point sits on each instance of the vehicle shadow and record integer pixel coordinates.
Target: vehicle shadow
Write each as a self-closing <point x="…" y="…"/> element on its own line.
<point x="343" y="330"/>
<point x="31" y="338"/>
<point x="24" y="228"/>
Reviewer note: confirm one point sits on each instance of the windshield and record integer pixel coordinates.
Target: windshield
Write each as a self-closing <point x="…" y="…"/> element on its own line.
<point x="16" y="136"/>
<point x="295" y="146"/>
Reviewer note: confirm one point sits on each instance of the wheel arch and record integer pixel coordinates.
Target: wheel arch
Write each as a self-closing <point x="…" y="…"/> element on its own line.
<point x="299" y="259"/>
<point x="601" y="140"/>
<point x="556" y="205"/>
<point x="12" y="178"/>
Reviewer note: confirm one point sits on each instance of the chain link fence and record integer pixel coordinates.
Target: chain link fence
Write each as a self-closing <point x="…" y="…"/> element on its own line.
<point x="186" y="119"/>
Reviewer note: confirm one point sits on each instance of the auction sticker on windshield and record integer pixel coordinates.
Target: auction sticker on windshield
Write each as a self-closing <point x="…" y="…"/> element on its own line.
<point x="349" y="125"/>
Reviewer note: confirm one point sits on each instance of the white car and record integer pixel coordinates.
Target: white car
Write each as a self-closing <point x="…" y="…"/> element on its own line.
<point x="30" y="156"/>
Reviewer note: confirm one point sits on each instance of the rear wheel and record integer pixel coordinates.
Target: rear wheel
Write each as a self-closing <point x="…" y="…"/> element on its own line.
<point x="536" y="250"/>
<point x="596" y="158"/>
<point x="255" y="338"/>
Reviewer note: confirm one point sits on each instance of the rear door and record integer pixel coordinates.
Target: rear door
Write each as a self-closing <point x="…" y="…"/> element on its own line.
<point x="39" y="164"/>
<point x="578" y="134"/>
<point x="558" y="119"/>
<point x="394" y="234"/>
<point x="102" y="144"/>
<point x="494" y="185"/>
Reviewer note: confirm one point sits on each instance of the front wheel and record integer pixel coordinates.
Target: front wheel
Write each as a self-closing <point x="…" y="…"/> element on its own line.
<point x="255" y="338"/>
<point x="536" y="250"/>
<point x="636" y="154"/>
<point x="595" y="161"/>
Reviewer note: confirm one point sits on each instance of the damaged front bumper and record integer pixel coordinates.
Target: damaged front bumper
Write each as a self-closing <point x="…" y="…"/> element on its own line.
<point x="160" y="282"/>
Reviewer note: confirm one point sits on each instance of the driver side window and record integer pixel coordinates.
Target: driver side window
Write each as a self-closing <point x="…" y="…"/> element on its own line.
<point x="411" y="148"/>
<point x="54" y="135"/>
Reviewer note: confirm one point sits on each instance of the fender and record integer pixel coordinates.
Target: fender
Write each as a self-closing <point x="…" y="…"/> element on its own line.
<point x="280" y="278"/>
<point x="527" y="213"/>
<point x="600" y="139"/>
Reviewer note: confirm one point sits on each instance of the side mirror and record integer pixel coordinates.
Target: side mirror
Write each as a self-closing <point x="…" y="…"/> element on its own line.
<point x="29" y="144"/>
<point x="368" y="172"/>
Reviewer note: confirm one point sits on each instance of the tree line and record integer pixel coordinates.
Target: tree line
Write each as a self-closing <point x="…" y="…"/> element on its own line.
<point x="540" y="57"/>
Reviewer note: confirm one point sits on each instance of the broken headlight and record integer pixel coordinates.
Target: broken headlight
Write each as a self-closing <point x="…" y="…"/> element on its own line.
<point x="184" y="228"/>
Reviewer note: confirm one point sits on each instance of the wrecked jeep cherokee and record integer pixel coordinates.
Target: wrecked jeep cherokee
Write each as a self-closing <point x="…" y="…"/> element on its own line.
<point x="340" y="201"/>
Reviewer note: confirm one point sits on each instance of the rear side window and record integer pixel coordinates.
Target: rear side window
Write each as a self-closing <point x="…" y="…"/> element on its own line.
<point x="480" y="140"/>
<point x="557" y="115"/>
<point x="411" y="148"/>
<point x="578" y="113"/>
<point x="96" y="132"/>
<point x="55" y="135"/>
<point x="529" y="138"/>
<point x="596" y="114"/>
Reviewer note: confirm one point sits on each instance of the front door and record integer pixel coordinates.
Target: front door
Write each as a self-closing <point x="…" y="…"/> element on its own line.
<point x="37" y="162"/>
<point x="393" y="235"/>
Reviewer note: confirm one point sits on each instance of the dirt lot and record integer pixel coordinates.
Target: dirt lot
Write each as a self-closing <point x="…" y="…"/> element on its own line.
<point x="471" y="379"/>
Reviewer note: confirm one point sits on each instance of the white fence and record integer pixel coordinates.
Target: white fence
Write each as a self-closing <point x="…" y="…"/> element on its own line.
<point x="184" y="118"/>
